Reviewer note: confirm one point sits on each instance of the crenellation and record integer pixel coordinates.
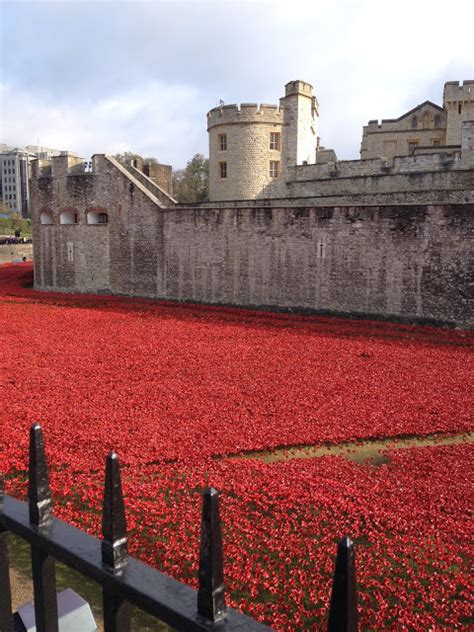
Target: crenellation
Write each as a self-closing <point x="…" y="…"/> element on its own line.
<point x="244" y="112"/>
<point x="299" y="87"/>
<point x="456" y="91"/>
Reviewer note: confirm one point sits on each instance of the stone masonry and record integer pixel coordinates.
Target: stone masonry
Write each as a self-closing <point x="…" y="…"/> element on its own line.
<point x="405" y="257"/>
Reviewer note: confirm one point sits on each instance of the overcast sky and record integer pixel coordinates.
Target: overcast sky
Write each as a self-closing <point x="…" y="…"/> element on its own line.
<point x="104" y="77"/>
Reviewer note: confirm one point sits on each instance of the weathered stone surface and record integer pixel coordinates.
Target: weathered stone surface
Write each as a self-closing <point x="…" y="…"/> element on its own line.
<point x="407" y="259"/>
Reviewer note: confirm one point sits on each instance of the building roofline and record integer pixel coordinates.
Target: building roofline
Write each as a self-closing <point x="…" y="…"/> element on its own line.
<point x="420" y="105"/>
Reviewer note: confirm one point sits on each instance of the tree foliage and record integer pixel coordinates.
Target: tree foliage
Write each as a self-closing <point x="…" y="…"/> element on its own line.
<point x="127" y="156"/>
<point x="191" y="184"/>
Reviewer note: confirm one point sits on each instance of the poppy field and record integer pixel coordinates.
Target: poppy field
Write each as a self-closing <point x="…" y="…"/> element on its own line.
<point x="184" y="392"/>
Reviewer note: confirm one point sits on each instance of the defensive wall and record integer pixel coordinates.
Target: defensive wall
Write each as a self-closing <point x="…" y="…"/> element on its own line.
<point x="404" y="254"/>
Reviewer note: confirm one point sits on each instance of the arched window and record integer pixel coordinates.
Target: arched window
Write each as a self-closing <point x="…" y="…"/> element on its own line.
<point x="437" y="121"/>
<point x="68" y="217"/>
<point x="97" y="216"/>
<point x="426" y="120"/>
<point x="46" y="218"/>
<point x="414" y="122"/>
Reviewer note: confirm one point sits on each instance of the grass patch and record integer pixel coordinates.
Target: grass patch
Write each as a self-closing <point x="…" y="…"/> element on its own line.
<point x="372" y="451"/>
<point x="89" y="590"/>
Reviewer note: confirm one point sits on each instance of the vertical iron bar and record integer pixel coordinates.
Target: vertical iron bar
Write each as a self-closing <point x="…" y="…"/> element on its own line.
<point x="211" y="593"/>
<point x="6" y="619"/>
<point x="343" y="609"/>
<point x="41" y="515"/>
<point x="114" y="546"/>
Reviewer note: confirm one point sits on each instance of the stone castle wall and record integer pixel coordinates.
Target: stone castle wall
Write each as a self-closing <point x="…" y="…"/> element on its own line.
<point x="397" y="260"/>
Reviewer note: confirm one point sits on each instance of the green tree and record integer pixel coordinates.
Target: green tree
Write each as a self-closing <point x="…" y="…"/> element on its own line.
<point x="191" y="184"/>
<point x="127" y="156"/>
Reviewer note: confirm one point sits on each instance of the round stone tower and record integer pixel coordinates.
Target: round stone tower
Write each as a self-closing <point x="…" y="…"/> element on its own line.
<point x="245" y="145"/>
<point x="251" y="146"/>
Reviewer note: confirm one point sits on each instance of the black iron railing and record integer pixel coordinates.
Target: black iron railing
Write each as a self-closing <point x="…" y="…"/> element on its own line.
<point x="125" y="580"/>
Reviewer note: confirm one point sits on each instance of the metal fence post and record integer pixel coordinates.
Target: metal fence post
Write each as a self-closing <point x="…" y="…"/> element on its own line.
<point x="6" y="619"/>
<point x="211" y="593"/>
<point x="114" y="547"/>
<point x="343" y="609"/>
<point x="40" y="511"/>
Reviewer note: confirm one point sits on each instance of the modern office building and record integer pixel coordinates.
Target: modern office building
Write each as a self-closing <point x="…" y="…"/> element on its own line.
<point x="15" y="173"/>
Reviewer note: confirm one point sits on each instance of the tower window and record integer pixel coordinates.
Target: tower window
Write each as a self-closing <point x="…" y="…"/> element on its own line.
<point x="414" y="122"/>
<point x="223" y="142"/>
<point x="223" y="169"/>
<point x="274" y="168"/>
<point x="97" y="216"/>
<point x="68" y="217"/>
<point x="459" y="108"/>
<point x="275" y="141"/>
<point x="46" y="218"/>
<point x="426" y="120"/>
<point x="437" y="121"/>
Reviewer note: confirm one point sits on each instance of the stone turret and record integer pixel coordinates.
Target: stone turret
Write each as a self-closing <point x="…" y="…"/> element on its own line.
<point x="251" y="146"/>
<point x="244" y="150"/>
<point x="301" y="111"/>
<point x="458" y="101"/>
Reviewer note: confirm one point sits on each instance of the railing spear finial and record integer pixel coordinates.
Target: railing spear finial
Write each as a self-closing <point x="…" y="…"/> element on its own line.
<point x="343" y="609"/>
<point x="114" y="547"/>
<point x="41" y="515"/>
<point x="114" y="528"/>
<point x="39" y="493"/>
<point x="211" y="593"/>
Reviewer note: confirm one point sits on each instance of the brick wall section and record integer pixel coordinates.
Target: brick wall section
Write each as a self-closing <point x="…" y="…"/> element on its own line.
<point x="410" y="261"/>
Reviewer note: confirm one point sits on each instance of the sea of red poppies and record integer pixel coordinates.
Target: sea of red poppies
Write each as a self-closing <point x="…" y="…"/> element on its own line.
<point x="173" y="387"/>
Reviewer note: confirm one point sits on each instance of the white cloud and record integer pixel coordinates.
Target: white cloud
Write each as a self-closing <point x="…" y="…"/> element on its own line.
<point x="143" y="76"/>
<point x="155" y="120"/>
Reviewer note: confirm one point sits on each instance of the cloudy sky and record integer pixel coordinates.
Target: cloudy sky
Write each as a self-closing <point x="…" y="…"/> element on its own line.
<point x="110" y="76"/>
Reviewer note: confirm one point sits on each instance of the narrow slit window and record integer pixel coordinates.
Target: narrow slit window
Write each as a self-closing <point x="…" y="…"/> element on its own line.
<point x="70" y="251"/>
<point x="223" y="169"/>
<point x="223" y="142"/>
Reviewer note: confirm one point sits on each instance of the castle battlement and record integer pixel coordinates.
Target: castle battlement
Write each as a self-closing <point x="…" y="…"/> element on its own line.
<point x="454" y="91"/>
<point x="244" y="113"/>
<point x="299" y="87"/>
<point x="66" y="164"/>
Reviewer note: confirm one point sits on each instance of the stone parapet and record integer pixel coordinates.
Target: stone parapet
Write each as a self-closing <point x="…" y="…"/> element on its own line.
<point x="244" y="113"/>
<point x="458" y="92"/>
